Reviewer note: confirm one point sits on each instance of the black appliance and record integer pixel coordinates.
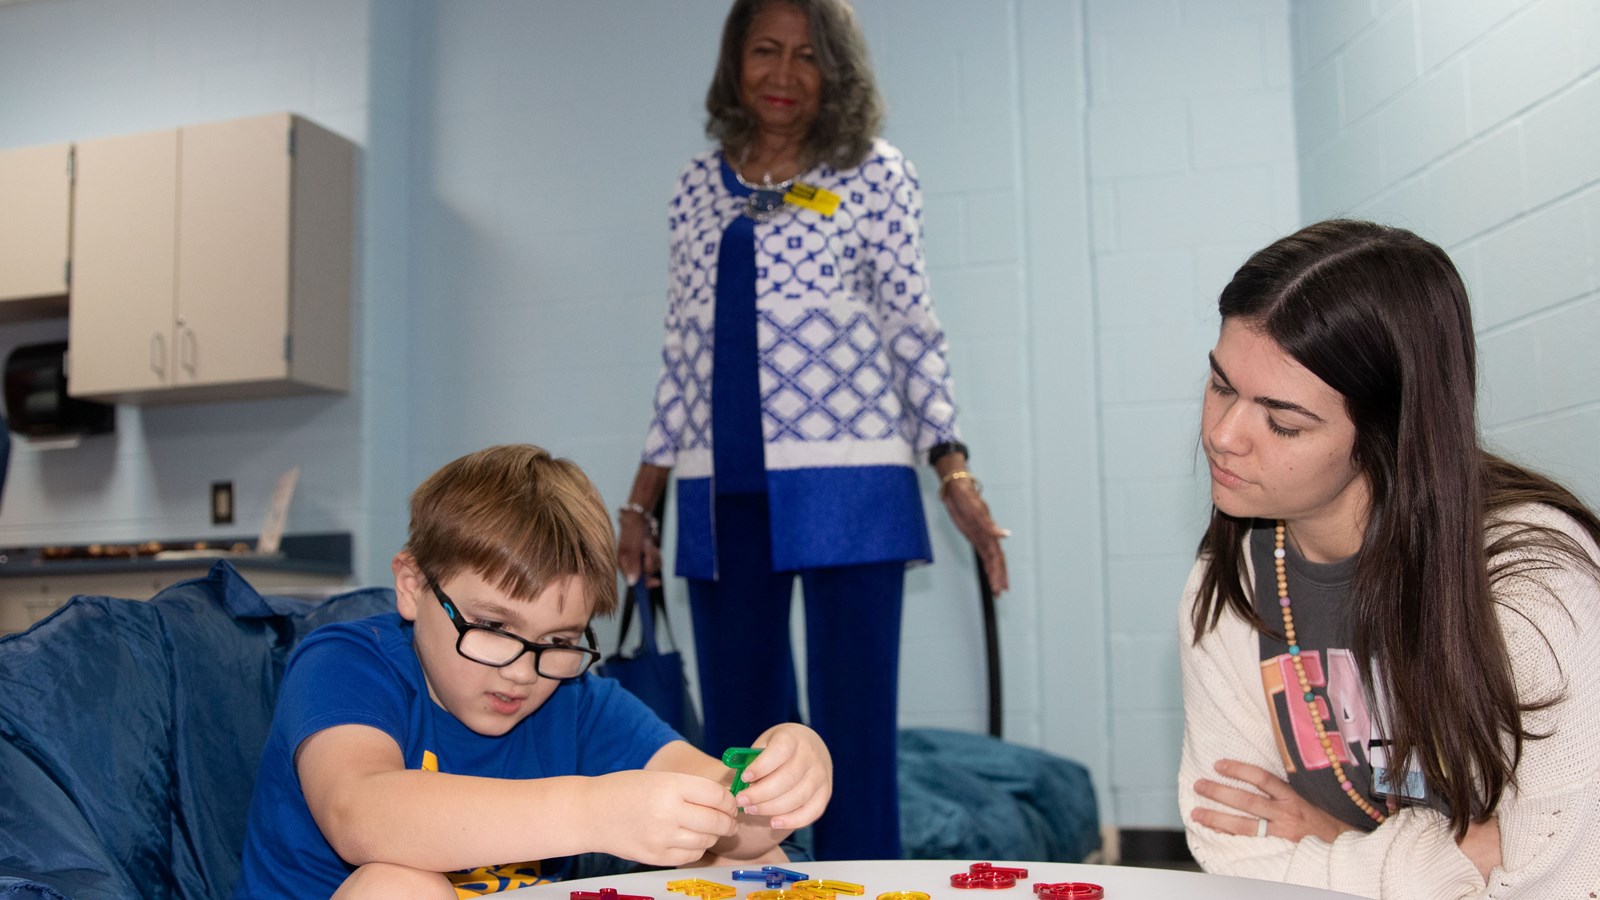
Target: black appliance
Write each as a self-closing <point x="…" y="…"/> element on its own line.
<point x="36" y="396"/>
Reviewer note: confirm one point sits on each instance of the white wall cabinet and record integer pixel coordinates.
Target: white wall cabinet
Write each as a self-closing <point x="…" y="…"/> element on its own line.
<point x="35" y="230"/>
<point x="212" y="262"/>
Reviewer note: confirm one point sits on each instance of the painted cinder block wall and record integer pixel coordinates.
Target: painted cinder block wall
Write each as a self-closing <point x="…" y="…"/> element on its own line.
<point x="540" y="264"/>
<point x="1478" y="126"/>
<point x="1475" y="123"/>
<point x="1191" y="167"/>
<point x="1093" y="172"/>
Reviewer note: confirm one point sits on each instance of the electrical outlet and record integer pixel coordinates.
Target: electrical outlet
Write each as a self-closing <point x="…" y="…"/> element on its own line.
<point x="222" y="503"/>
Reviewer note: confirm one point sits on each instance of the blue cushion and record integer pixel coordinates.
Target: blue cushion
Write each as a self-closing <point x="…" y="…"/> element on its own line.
<point x="86" y="697"/>
<point x="130" y="733"/>
<point x="21" y="888"/>
<point x="972" y="796"/>
<point x="42" y="830"/>
<point x="225" y="673"/>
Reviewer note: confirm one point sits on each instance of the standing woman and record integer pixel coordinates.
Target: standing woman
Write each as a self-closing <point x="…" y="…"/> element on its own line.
<point x="1391" y="639"/>
<point x="803" y="379"/>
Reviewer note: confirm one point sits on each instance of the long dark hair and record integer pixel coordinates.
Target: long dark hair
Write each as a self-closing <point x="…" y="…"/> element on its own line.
<point x="1381" y="316"/>
<point x="850" y="110"/>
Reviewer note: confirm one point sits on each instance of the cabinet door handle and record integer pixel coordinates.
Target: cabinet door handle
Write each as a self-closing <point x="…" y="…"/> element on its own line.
<point x="188" y="350"/>
<point x="158" y="354"/>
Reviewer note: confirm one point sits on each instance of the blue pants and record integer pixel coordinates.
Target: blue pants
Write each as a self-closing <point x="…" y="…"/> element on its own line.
<point x="747" y="677"/>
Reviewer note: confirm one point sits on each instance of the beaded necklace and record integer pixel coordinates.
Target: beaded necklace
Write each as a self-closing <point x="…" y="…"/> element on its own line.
<point x="1279" y="567"/>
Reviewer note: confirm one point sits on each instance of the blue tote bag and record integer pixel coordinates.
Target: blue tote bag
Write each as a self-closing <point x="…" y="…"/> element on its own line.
<point x="653" y="676"/>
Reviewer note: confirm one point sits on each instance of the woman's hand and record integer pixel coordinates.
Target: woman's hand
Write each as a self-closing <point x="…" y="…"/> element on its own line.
<point x="971" y="515"/>
<point x="637" y="553"/>
<point x="1482" y="845"/>
<point x="1286" y="813"/>
<point x="638" y="548"/>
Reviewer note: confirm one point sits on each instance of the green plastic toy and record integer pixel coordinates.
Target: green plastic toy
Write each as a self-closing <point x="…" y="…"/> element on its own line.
<point x="736" y="758"/>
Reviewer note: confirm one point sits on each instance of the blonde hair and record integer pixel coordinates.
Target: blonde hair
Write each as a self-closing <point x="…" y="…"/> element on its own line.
<point x="519" y="518"/>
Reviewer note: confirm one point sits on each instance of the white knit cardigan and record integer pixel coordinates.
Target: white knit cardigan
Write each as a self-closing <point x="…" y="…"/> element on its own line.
<point x="1549" y="820"/>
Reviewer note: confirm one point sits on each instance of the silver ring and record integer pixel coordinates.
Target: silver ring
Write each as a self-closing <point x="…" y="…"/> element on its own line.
<point x="1261" y="828"/>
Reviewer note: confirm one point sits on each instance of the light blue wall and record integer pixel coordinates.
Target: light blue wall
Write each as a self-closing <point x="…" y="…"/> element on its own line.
<point x="541" y="253"/>
<point x="390" y="176"/>
<point x="1094" y="170"/>
<point x="1478" y="126"/>
<point x="1191" y="167"/>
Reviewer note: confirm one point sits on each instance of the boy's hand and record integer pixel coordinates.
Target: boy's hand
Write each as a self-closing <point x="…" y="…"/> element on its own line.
<point x="792" y="779"/>
<point x="659" y="818"/>
<point x="773" y="857"/>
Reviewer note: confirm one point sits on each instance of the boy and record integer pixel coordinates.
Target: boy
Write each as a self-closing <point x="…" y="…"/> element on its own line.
<point x="462" y="734"/>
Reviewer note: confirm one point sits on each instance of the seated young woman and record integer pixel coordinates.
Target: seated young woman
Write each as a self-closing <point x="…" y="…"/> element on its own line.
<point x="1391" y="637"/>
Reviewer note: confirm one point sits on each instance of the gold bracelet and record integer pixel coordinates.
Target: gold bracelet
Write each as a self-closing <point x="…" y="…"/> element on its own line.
<point x="958" y="475"/>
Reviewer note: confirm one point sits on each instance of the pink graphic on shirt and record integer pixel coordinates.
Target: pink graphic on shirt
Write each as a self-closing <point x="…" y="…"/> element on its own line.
<point x="1340" y="702"/>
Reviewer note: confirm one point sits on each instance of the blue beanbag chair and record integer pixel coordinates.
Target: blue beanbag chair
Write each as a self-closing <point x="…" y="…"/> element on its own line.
<point x="972" y="796"/>
<point x="130" y="733"/>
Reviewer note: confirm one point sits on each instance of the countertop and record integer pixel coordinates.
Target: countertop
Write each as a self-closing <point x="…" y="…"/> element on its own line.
<point x="326" y="553"/>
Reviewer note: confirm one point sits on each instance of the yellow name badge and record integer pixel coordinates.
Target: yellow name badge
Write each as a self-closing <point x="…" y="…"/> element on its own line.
<point x="813" y="198"/>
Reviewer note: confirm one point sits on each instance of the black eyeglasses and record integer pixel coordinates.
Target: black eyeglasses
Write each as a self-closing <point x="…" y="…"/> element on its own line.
<point x="491" y="646"/>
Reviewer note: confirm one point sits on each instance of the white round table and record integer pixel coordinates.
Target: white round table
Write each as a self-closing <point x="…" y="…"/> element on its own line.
<point x="932" y="877"/>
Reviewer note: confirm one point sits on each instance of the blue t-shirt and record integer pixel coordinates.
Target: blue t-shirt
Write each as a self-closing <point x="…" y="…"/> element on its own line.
<point x="366" y="672"/>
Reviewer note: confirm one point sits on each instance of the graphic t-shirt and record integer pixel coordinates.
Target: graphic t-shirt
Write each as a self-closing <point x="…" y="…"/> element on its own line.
<point x="366" y="672"/>
<point x="1318" y="595"/>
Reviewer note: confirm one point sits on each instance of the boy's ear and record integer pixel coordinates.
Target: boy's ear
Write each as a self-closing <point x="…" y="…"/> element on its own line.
<point x="409" y="585"/>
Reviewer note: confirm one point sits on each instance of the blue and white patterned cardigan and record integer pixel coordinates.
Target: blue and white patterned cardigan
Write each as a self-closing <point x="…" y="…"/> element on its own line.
<point x="854" y="382"/>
